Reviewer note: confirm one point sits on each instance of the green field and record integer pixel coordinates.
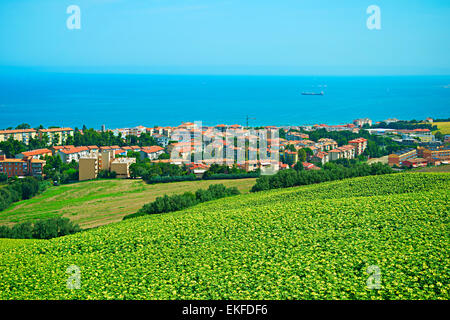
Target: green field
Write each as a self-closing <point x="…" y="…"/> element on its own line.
<point x="99" y="202"/>
<point x="443" y="127"/>
<point x="441" y="168"/>
<point x="310" y="242"/>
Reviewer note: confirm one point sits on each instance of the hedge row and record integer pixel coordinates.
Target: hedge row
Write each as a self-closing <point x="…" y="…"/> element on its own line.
<point x="20" y="189"/>
<point x="331" y="172"/>
<point x="185" y="200"/>
<point x="41" y="229"/>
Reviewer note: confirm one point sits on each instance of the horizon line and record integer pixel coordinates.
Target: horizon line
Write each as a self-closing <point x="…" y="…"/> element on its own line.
<point x="146" y="71"/>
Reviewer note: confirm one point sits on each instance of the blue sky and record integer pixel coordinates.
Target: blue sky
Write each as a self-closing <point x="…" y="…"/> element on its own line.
<point x="228" y="36"/>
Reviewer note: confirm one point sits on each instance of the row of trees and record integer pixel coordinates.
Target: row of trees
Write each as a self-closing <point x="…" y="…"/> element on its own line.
<point x="89" y="137"/>
<point x="41" y="229"/>
<point x="405" y="125"/>
<point x="161" y="172"/>
<point x="13" y="189"/>
<point x="185" y="200"/>
<point x="148" y="170"/>
<point x="222" y="169"/>
<point x="107" y="138"/>
<point x="330" y="172"/>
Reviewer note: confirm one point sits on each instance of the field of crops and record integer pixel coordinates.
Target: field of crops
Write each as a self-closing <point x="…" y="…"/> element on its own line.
<point x="99" y="202"/>
<point x="311" y="242"/>
<point x="443" y="127"/>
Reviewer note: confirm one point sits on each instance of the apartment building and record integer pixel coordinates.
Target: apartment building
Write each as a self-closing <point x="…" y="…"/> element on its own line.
<point x="415" y="163"/>
<point x="21" y="167"/>
<point x="161" y="140"/>
<point x="290" y="157"/>
<point x="88" y="168"/>
<point x="55" y="149"/>
<point x="321" y="157"/>
<point x="167" y="131"/>
<point x="93" y="148"/>
<point x="326" y="144"/>
<point x="360" y="145"/>
<point x="22" y="135"/>
<point x="335" y="154"/>
<point x="158" y="130"/>
<point x="73" y="153"/>
<point x="91" y="165"/>
<point x="361" y="122"/>
<point x="152" y="152"/>
<point x="441" y="153"/>
<point x="423" y="135"/>
<point x="397" y="158"/>
<point x="293" y="135"/>
<point x="344" y="152"/>
<point x="121" y="166"/>
<point x="56" y="135"/>
<point x="35" y="154"/>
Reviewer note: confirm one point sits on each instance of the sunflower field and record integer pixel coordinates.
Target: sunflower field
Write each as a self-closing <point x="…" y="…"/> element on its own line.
<point x="319" y="241"/>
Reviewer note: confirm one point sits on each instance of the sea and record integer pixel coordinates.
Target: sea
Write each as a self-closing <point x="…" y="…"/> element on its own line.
<point x="128" y="100"/>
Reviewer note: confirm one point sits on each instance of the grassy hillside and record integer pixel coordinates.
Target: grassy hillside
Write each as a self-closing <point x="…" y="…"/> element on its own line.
<point x="99" y="202"/>
<point x="311" y="242"/>
<point x="441" y="168"/>
<point x="443" y="127"/>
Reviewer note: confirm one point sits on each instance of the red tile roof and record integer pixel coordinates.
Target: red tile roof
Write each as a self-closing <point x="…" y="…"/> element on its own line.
<point x="152" y="149"/>
<point x="36" y="152"/>
<point x="56" y="129"/>
<point x="17" y="131"/>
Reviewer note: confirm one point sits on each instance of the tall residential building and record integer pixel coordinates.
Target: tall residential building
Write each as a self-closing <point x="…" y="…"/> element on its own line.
<point x="91" y="165"/>
<point x="435" y="153"/>
<point x="22" y="135"/>
<point x="21" y="167"/>
<point x="360" y="145"/>
<point x="56" y="135"/>
<point x="397" y="158"/>
<point x="35" y="154"/>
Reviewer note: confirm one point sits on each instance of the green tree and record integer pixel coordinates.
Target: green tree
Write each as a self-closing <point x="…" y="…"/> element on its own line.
<point x="302" y="155"/>
<point x="439" y="136"/>
<point x="3" y="177"/>
<point x="22" y="231"/>
<point x="55" y="139"/>
<point x="23" y="126"/>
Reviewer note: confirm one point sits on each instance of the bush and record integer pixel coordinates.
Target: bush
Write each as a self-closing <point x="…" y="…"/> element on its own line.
<point x="42" y="229"/>
<point x="220" y="176"/>
<point x="185" y="200"/>
<point x="167" y="179"/>
<point x="330" y="172"/>
<point x="3" y="177"/>
<point x="54" y="227"/>
<point x="22" y="231"/>
<point x="5" y="232"/>
<point x="18" y="189"/>
<point x="106" y="174"/>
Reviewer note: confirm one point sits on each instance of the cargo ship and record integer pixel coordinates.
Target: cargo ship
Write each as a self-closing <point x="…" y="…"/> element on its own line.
<point x="313" y="93"/>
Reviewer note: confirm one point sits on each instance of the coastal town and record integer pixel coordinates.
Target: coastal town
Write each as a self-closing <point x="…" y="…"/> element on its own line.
<point x="231" y="145"/>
